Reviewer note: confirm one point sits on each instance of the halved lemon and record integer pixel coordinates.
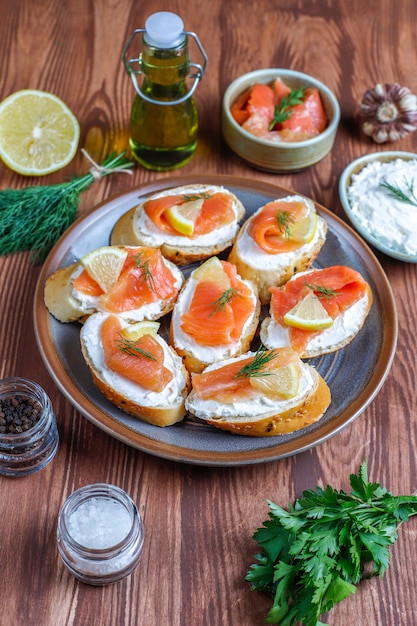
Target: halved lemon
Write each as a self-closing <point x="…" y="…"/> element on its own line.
<point x="104" y="265"/>
<point x="283" y="382"/>
<point x="182" y="217"/>
<point x="38" y="132"/>
<point x="305" y="229"/>
<point x="137" y="330"/>
<point x="308" y="314"/>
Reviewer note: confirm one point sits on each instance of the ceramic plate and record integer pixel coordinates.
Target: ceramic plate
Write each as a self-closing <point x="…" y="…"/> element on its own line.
<point x="344" y="183"/>
<point x="354" y="374"/>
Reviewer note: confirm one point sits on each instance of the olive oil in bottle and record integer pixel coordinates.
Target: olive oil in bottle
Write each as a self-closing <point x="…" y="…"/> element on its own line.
<point x="164" y="120"/>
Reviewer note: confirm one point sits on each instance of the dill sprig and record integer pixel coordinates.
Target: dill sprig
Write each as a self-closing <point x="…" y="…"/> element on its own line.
<point x="132" y="349"/>
<point x="33" y="218"/>
<point x="321" y="291"/>
<point x="196" y="196"/>
<point x="226" y="298"/>
<point x="395" y="190"/>
<point x="284" y="220"/>
<point x="283" y="110"/>
<point x="256" y="367"/>
<point x="143" y="264"/>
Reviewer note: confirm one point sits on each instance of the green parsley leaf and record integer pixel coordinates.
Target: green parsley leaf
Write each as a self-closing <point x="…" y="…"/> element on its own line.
<point x="314" y="555"/>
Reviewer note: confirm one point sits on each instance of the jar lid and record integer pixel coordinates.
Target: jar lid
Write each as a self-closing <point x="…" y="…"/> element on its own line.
<point x="164" y="30"/>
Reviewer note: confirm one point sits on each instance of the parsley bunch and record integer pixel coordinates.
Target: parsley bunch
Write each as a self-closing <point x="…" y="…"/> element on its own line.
<point x="314" y="554"/>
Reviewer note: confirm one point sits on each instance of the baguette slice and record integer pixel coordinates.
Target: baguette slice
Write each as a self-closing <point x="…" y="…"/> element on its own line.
<point x="258" y="416"/>
<point x="275" y="333"/>
<point x="267" y="268"/>
<point x="136" y="228"/>
<point x="162" y="408"/>
<point x="68" y="304"/>
<point x="211" y="333"/>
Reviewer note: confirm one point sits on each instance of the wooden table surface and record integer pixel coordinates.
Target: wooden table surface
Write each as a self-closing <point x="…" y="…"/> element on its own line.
<point x="199" y="520"/>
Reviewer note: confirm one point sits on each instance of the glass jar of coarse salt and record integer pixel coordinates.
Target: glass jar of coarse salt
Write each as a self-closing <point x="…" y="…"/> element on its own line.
<point x="28" y="431"/>
<point x="100" y="534"/>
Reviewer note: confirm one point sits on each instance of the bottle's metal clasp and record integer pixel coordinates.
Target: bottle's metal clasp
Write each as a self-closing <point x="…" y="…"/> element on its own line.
<point x="133" y="69"/>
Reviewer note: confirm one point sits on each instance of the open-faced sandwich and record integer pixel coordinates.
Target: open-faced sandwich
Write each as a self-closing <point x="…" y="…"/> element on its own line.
<point x="135" y="369"/>
<point x="216" y="315"/>
<point x="136" y="283"/>
<point x="260" y="394"/>
<point x="188" y="223"/>
<point x="318" y="311"/>
<point x="281" y="238"/>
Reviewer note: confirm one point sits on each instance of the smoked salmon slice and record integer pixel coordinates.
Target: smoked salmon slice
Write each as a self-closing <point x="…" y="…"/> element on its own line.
<point x="338" y="288"/>
<point x="255" y="109"/>
<point x="229" y="383"/>
<point x="216" y="211"/>
<point x="141" y="361"/>
<point x="144" y="278"/>
<point x="271" y="226"/>
<point x="217" y="314"/>
<point x="261" y="100"/>
<point x="280" y="89"/>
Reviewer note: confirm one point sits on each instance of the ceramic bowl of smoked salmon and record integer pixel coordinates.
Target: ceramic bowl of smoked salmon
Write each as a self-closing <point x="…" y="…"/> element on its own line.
<point x="279" y="120"/>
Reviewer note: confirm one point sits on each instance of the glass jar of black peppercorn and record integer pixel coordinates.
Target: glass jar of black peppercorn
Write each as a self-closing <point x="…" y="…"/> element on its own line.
<point x="28" y="430"/>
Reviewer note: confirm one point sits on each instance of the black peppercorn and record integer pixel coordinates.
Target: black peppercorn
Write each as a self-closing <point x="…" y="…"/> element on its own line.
<point x="18" y="414"/>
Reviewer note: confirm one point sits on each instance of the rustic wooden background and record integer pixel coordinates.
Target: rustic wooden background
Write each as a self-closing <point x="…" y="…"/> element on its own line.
<point x="199" y="521"/>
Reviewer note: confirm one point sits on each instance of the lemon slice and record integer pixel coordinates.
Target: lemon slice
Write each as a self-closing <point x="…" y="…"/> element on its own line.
<point x="38" y="132"/>
<point x="305" y="229"/>
<point x="308" y="314"/>
<point x="182" y="217"/>
<point x="104" y="265"/>
<point x="283" y="382"/>
<point x="212" y="271"/>
<point x="136" y="331"/>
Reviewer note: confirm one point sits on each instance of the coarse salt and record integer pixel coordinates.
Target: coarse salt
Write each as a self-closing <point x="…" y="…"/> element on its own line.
<point x="99" y="523"/>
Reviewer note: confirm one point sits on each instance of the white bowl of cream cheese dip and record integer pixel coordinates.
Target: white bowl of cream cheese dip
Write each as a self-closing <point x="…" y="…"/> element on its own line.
<point x="379" y="195"/>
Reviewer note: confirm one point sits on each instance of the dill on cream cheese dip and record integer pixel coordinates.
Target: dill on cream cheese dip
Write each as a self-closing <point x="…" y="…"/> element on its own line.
<point x="383" y="200"/>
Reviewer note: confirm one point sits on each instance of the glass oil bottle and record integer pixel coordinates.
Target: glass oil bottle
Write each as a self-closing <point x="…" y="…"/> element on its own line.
<point x="164" y="120"/>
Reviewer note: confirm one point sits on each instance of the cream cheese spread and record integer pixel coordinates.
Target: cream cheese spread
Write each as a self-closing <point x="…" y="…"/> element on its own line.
<point x="90" y="335"/>
<point x="255" y="407"/>
<point x="151" y="235"/>
<point x="384" y="216"/>
<point x="253" y="255"/>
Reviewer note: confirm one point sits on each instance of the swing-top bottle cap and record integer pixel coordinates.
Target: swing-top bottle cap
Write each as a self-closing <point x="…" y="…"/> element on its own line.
<point x="164" y="30"/>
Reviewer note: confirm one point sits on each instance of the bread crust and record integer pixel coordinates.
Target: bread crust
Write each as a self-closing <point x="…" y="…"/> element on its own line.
<point x="301" y="259"/>
<point x="309" y="411"/>
<point x="58" y="296"/>
<point x="125" y="231"/>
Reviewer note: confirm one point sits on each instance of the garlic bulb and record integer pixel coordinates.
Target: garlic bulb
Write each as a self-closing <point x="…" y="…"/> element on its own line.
<point x="388" y="112"/>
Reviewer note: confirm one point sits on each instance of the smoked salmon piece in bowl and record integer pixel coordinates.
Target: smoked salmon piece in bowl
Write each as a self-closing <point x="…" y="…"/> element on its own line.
<point x="279" y="120"/>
